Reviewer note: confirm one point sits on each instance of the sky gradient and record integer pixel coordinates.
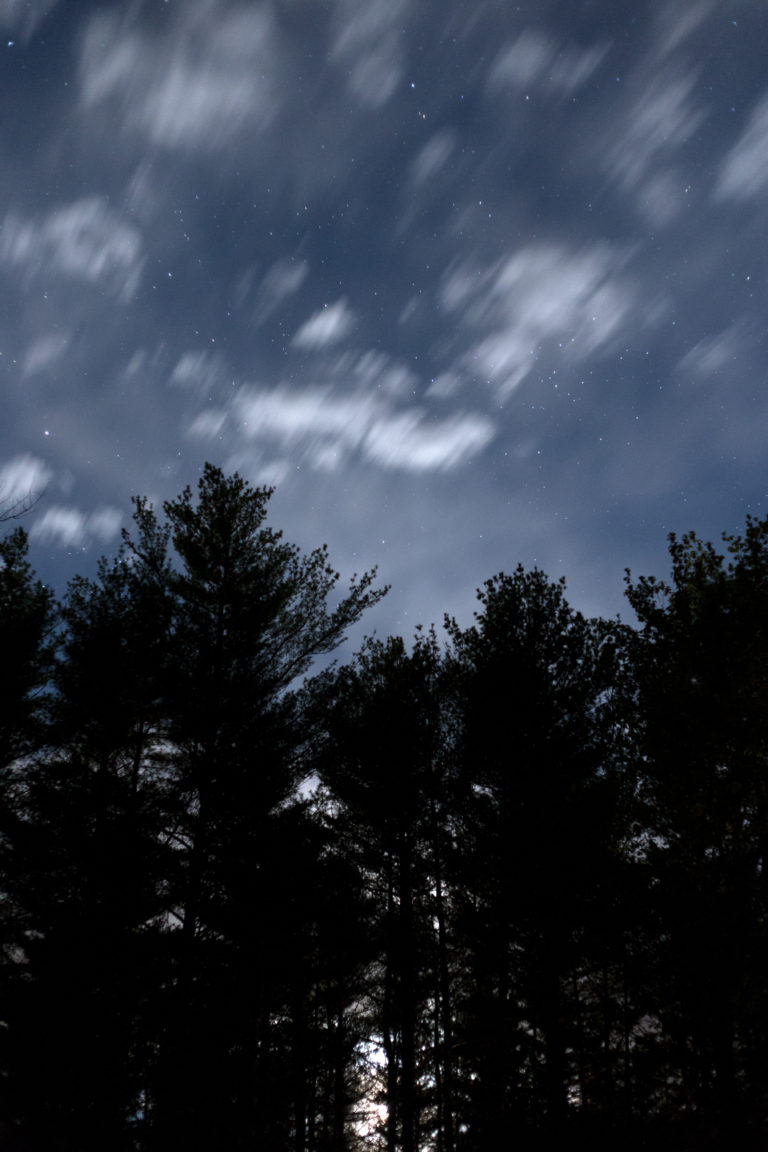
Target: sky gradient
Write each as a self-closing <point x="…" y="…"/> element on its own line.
<point x="471" y="284"/>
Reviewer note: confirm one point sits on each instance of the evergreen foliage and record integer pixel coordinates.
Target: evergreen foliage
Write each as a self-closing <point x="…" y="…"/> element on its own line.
<point x="446" y="897"/>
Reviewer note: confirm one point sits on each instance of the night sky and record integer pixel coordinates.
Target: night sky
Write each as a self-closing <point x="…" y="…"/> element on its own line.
<point x="471" y="284"/>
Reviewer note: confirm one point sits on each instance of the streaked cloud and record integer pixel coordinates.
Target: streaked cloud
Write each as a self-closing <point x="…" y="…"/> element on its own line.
<point x="71" y="527"/>
<point x="22" y="17"/>
<point x="433" y="156"/>
<point x="375" y="372"/>
<point x="207" y="425"/>
<point x="324" y="426"/>
<point x="317" y="418"/>
<point x="409" y="440"/>
<point x="23" y="476"/>
<point x="282" y="280"/>
<point x="711" y="355"/>
<point x="85" y="240"/>
<point x="663" y="114"/>
<point x="198" y="372"/>
<point x="744" y="172"/>
<point x="444" y="386"/>
<point x="44" y="352"/>
<point x="545" y="293"/>
<point x="209" y="76"/>
<point x="662" y="197"/>
<point x="537" y="58"/>
<point x="332" y="323"/>
<point x="675" y="23"/>
<point x="368" y="45"/>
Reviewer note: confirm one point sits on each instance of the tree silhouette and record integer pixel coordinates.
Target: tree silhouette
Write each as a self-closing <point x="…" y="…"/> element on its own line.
<point x="703" y="686"/>
<point x="535" y="680"/>
<point x="249" y="614"/>
<point x="383" y="761"/>
<point x="438" y="899"/>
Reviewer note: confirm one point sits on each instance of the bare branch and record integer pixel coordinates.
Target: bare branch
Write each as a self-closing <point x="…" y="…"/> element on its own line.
<point x="14" y="507"/>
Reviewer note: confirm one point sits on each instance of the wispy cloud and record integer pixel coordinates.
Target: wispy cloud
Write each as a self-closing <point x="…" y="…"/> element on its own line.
<point x="408" y="440"/>
<point x="324" y="425"/>
<point x="289" y="416"/>
<point x="662" y="115"/>
<point x="544" y="293"/>
<point x="70" y="527"/>
<point x="23" y="17"/>
<point x="536" y="58"/>
<point x="198" y="372"/>
<point x="368" y="43"/>
<point x="433" y="156"/>
<point x="198" y="85"/>
<point x="744" y="172"/>
<point x="711" y="355"/>
<point x="676" y="23"/>
<point x="85" y="240"/>
<point x="282" y="279"/>
<point x="23" y="476"/>
<point x="44" y="352"/>
<point x="332" y="323"/>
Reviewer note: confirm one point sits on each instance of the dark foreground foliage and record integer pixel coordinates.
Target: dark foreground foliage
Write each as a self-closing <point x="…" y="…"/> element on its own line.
<point x="447" y="897"/>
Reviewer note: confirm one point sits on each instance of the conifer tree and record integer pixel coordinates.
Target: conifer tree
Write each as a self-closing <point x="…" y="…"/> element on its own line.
<point x="702" y="674"/>
<point x="534" y="680"/>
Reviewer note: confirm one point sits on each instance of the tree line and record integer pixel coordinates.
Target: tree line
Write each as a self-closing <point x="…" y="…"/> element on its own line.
<point x="454" y="895"/>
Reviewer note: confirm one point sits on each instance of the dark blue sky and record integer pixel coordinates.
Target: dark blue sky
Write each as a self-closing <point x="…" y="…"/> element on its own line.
<point x="470" y="283"/>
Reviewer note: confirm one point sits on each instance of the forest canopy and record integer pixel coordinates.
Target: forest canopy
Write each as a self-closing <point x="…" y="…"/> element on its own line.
<point x="452" y="895"/>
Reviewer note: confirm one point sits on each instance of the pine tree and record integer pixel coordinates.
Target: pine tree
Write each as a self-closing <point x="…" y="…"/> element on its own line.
<point x="534" y="682"/>
<point x="249" y="615"/>
<point x="703" y="697"/>
<point x="26" y="623"/>
<point x="383" y="761"/>
<point x="164" y="983"/>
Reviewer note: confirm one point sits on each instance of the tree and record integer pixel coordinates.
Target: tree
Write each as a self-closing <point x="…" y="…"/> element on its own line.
<point x="535" y="683"/>
<point x="249" y="615"/>
<point x="13" y="507"/>
<point x="26" y="625"/>
<point x="702" y="675"/>
<point x="158" y="856"/>
<point x="27" y="622"/>
<point x="383" y="761"/>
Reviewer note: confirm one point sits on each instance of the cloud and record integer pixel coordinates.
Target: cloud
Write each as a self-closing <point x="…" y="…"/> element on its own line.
<point x="444" y="386"/>
<point x="209" y="77"/>
<point x="372" y="416"/>
<point x="69" y="527"/>
<point x="674" y="24"/>
<point x="331" y="324"/>
<point x="544" y="293"/>
<point x="282" y="280"/>
<point x="408" y="440"/>
<point x="744" y="172"/>
<point x="24" y="16"/>
<point x="662" y="117"/>
<point x="85" y="240"/>
<point x="326" y="427"/>
<point x="43" y="353"/>
<point x="198" y="372"/>
<point x="374" y="372"/>
<point x="662" y="197"/>
<point x="433" y="156"/>
<point x="536" y="58"/>
<point x="23" y="476"/>
<point x="368" y="43"/>
<point x="315" y="416"/>
<point x="207" y="425"/>
<point x="709" y="356"/>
